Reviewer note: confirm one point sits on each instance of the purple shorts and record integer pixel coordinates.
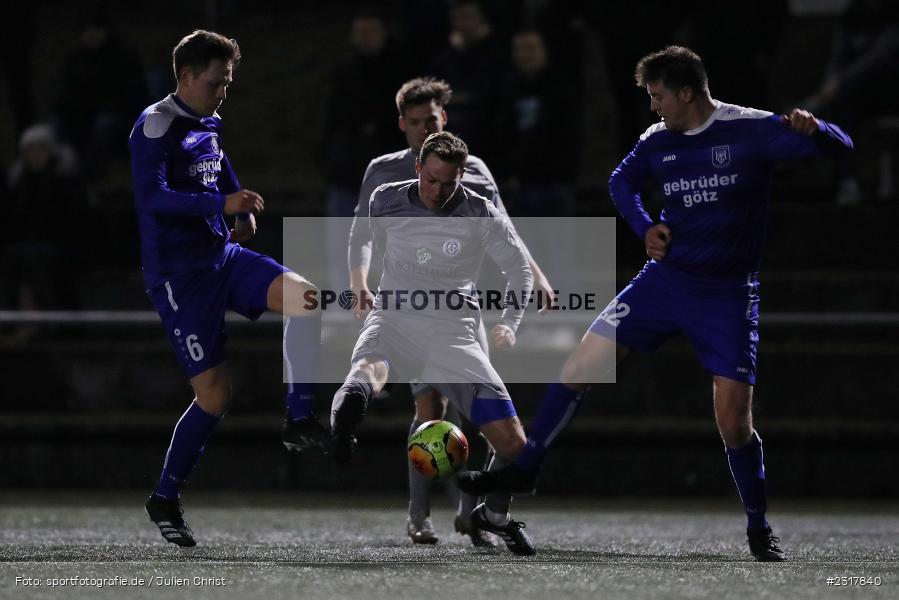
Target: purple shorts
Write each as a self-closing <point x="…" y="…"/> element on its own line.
<point x="720" y="318"/>
<point x="192" y="305"/>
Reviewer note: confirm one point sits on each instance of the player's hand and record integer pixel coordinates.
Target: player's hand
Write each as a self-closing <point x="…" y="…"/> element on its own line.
<point x="503" y="336"/>
<point x="244" y="229"/>
<point x="244" y="201"/>
<point x="658" y="238"/>
<point x="547" y="293"/>
<point x="801" y="120"/>
<point x="364" y="302"/>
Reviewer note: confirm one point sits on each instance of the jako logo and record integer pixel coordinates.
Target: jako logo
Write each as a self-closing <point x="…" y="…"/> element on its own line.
<point x="669" y="158"/>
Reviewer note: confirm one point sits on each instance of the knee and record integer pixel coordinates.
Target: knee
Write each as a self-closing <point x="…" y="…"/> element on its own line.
<point x="735" y="429"/>
<point x="371" y="375"/>
<point x="214" y="401"/>
<point x="510" y="447"/>
<point x="213" y="390"/>
<point x="375" y="372"/>
<point x="507" y="437"/>
<point x="295" y="296"/>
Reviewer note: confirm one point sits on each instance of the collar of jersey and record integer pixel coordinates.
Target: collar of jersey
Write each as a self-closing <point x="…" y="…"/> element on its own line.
<point x="184" y="110"/>
<point x="447" y="206"/>
<point x="719" y="106"/>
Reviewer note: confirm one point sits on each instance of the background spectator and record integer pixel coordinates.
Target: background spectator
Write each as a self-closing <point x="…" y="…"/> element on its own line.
<point x="46" y="214"/>
<point x="102" y="86"/>
<point x="360" y="124"/>
<point x="474" y="63"/>
<point x="539" y="132"/>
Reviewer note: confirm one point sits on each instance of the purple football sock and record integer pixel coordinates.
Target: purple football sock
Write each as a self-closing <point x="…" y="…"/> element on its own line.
<point x="302" y="351"/>
<point x="556" y="410"/>
<point x="747" y="465"/>
<point x="185" y="449"/>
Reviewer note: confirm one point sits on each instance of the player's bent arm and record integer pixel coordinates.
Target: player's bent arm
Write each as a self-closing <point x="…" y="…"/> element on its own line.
<point x="492" y="189"/>
<point x="359" y="245"/>
<point x="152" y="193"/>
<point x="831" y="139"/>
<point x="376" y="232"/>
<point x="800" y="135"/>
<point x="359" y="250"/>
<point x="624" y="188"/>
<point x="359" y="287"/>
<point x="541" y="282"/>
<point x="359" y="278"/>
<point x="228" y="184"/>
<point x="504" y="248"/>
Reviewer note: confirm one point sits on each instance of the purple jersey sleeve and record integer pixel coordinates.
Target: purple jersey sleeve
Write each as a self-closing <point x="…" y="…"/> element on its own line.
<point x="228" y="183"/>
<point x="624" y="187"/>
<point x="782" y="143"/>
<point x="151" y="187"/>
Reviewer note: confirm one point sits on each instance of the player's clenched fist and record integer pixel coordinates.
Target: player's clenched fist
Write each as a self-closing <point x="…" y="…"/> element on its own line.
<point x="244" y="229"/>
<point x="244" y="201"/>
<point x="503" y="336"/>
<point x="801" y="120"/>
<point x="658" y="238"/>
<point x="363" y="303"/>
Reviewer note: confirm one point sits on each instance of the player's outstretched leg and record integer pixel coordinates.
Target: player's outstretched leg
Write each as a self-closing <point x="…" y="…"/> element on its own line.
<point x="556" y="410"/>
<point x="288" y="295"/>
<point x="594" y="357"/>
<point x="349" y="405"/>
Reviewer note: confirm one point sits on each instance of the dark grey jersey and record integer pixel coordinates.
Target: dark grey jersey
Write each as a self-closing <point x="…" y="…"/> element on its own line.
<point x="400" y="166"/>
<point x="438" y="254"/>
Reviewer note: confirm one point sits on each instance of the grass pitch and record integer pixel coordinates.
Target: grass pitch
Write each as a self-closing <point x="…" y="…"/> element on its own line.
<point x="89" y="545"/>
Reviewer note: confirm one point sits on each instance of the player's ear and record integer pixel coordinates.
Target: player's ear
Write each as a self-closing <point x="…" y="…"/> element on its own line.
<point x="417" y="166"/>
<point x="402" y="123"/>
<point x="185" y="75"/>
<point x="686" y="94"/>
<point x="443" y="117"/>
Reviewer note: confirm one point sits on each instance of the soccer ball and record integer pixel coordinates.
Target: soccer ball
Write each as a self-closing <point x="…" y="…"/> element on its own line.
<point x="438" y="449"/>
